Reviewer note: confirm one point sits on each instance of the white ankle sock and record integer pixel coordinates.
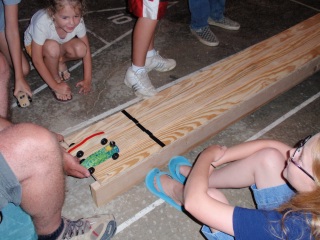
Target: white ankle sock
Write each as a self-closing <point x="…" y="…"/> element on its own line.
<point x="151" y="53"/>
<point x="136" y="68"/>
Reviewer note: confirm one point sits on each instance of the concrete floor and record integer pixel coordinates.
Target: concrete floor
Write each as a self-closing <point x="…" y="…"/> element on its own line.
<point x="139" y="214"/>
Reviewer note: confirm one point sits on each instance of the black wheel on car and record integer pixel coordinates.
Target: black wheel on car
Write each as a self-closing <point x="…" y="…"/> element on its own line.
<point x="30" y="99"/>
<point x="80" y="154"/>
<point x="18" y="104"/>
<point x="81" y="161"/>
<point x="71" y="144"/>
<point x="115" y="156"/>
<point x="104" y="141"/>
<point x="91" y="170"/>
<point x="112" y="143"/>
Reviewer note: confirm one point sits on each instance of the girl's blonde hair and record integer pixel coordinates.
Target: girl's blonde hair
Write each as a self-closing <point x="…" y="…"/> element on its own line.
<point x="55" y="6"/>
<point x="308" y="202"/>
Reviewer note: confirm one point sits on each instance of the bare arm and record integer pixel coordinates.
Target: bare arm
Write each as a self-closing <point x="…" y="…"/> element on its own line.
<point x="246" y="149"/>
<point x="14" y="45"/>
<point x="208" y="210"/>
<point x="85" y="84"/>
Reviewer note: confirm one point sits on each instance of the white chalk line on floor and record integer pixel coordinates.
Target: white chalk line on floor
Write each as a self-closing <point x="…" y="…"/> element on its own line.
<point x="158" y="202"/>
<point x="305" y="5"/>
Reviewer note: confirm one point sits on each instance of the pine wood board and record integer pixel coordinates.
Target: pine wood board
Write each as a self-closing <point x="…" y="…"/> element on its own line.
<point x="203" y="104"/>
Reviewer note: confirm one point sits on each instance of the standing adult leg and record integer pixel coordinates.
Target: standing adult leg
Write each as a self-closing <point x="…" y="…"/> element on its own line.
<point x="217" y="8"/>
<point x="200" y="10"/>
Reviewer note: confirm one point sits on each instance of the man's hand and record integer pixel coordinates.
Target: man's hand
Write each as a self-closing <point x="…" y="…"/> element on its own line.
<point x="72" y="166"/>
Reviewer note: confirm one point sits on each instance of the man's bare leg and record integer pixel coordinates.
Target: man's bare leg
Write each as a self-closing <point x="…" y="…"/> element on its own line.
<point x="33" y="153"/>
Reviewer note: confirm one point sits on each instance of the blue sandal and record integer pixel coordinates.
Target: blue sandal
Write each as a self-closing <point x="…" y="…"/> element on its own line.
<point x="174" y="168"/>
<point x="149" y="181"/>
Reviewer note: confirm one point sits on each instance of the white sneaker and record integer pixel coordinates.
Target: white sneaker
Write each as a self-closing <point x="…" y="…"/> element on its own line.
<point x="139" y="81"/>
<point x="159" y="63"/>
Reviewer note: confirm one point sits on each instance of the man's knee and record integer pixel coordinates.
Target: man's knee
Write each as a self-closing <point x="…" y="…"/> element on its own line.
<point x="37" y="138"/>
<point x="27" y="140"/>
<point x="30" y="149"/>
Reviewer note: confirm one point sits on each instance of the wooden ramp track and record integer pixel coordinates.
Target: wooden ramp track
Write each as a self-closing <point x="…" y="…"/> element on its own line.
<point x="201" y="105"/>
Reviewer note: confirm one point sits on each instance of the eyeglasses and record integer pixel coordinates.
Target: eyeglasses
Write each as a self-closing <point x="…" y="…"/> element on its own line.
<point x="300" y="145"/>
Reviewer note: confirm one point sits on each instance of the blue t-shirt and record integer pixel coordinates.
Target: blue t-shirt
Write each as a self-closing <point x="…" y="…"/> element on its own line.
<point x="261" y="224"/>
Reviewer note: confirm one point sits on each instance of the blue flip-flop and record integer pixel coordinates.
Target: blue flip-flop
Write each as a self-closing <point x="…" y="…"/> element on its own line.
<point x="149" y="181"/>
<point x="174" y="168"/>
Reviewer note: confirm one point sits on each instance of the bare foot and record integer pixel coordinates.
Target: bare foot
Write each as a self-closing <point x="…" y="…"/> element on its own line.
<point x="185" y="170"/>
<point x="61" y="97"/>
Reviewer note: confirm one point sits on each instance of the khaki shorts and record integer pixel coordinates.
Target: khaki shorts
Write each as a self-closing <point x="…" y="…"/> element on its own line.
<point x="28" y="50"/>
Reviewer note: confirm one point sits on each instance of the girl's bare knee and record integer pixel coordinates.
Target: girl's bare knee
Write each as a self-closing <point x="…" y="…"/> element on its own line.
<point x="271" y="158"/>
<point x="80" y="49"/>
<point x="51" y="49"/>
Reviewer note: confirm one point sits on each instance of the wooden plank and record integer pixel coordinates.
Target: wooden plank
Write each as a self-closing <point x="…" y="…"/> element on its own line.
<point x="203" y="104"/>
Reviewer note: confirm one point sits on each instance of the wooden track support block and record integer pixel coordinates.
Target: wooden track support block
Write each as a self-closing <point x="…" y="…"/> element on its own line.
<point x="201" y="105"/>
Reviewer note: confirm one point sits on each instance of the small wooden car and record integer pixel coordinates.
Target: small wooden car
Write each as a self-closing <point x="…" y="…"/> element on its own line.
<point x="23" y="100"/>
<point x="91" y="153"/>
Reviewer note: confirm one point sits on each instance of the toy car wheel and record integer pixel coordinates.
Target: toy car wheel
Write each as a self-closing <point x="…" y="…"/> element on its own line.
<point x="115" y="156"/>
<point x="81" y="161"/>
<point x="104" y="141"/>
<point x="80" y="154"/>
<point x="112" y="143"/>
<point x="91" y="170"/>
<point x="71" y="144"/>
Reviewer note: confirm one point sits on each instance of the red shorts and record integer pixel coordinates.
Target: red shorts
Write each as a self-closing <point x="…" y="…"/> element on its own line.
<point x="152" y="9"/>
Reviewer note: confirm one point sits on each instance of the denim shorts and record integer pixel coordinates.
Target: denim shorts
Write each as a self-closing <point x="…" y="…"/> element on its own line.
<point x="10" y="188"/>
<point x="2" y="21"/>
<point x="2" y="18"/>
<point x="265" y="198"/>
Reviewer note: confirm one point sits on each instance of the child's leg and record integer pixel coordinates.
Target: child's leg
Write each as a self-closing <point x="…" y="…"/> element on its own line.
<point x="143" y="40"/>
<point x="51" y="54"/>
<point x="72" y="50"/>
<point x="263" y="168"/>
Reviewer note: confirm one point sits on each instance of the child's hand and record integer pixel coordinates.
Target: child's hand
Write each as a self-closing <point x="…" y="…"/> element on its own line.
<point x="21" y="85"/>
<point x="85" y="86"/>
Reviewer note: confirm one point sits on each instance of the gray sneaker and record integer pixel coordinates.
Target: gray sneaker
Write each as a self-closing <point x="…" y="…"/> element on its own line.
<point x="140" y="83"/>
<point x="206" y="36"/>
<point x="100" y="227"/>
<point x="225" y="23"/>
<point x="159" y="63"/>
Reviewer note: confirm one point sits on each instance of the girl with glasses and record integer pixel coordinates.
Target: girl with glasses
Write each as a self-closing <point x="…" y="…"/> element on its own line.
<point x="284" y="182"/>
